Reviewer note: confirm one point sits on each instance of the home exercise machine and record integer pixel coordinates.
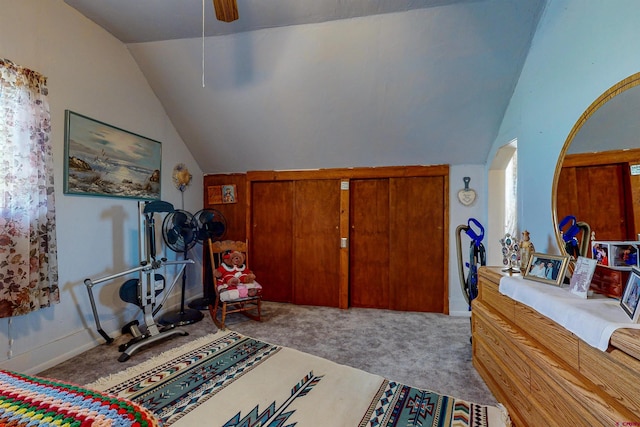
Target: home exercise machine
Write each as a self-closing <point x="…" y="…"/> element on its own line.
<point x="144" y="290"/>
<point x="477" y="257"/>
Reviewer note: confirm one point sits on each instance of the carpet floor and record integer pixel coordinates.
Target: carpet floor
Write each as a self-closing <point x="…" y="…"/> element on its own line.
<point x="232" y="380"/>
<point x="424" y="350"/>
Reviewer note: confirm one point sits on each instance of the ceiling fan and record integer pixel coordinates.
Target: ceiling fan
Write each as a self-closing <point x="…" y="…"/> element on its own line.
<point x="226" y="10"/>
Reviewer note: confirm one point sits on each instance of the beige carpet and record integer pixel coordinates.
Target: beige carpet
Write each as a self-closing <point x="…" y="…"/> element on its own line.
<point x="227" y="379"/>
<point x="425" y="350"/>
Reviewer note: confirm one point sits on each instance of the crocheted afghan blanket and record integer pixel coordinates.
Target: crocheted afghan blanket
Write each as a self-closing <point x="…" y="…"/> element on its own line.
<point x="33" y="401"/>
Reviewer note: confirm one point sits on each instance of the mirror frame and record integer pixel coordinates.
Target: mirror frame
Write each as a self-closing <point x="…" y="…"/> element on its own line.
<point x="608" y="95"/>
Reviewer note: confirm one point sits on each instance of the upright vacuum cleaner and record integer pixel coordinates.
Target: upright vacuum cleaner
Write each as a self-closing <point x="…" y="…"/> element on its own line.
<point x="477" y="256"/>
<point x="570" y="228"/>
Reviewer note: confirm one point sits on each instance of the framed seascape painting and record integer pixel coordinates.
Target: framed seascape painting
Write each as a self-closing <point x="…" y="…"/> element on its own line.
<point x="549" y="269"/>
<point x="103" y="160"/>
<point x="631" y="295"/>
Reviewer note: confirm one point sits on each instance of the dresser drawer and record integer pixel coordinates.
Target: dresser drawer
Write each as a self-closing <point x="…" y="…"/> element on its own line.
<point x="559" y="408"/>
<point x="515" y="397"/>
<point x="503" y="367"/>
<point x="492" y="297"/>
<point x="494" y="332"/>
<point x="552" y="336"/>
<point x="616" y="373"/>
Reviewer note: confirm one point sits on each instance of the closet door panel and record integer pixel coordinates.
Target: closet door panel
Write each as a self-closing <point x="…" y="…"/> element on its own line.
<point x="369" y="243"/>
<point x="417" y="279"/>
<point x="317" y="242"/>
<point x="596" y="195"/>
<point x="271" y="238"/>
<point x="601" y="193"/>
<point x="566" y="200"/>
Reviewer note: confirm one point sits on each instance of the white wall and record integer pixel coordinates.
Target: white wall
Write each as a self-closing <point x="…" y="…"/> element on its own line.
<point x="581" y="49"/>
<point x="459" y="214"/>
<point x="92" y="73"/>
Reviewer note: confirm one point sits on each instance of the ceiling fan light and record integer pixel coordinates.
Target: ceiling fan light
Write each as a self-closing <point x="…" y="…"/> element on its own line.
<point x="226" y="10"/>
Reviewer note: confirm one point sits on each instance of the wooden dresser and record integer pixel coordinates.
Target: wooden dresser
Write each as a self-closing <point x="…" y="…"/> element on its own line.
<point x="546" y="375"/>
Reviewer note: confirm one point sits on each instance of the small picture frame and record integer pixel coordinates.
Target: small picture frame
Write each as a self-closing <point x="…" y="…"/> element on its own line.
<point x="549" y="269"/>
<point x="582" y="275"/>
<point x="631" y="295"/>
<point x="600" y="252"/>
<point x="222" y="194"/>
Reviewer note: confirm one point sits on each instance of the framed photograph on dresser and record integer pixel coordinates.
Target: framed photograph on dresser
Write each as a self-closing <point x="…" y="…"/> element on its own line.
<point x="582" y="275"/>
<point x="549" y="269"/>
<point x="631" y="295"/>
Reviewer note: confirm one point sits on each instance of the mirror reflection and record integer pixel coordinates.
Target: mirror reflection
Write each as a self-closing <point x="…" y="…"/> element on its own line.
<point x="596" y="177"/>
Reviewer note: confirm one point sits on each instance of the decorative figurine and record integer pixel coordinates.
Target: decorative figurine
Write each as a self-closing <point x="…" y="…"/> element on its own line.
<point x="526" y="249"/>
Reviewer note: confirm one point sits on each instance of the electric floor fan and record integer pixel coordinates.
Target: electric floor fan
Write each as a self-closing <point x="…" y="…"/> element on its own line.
<point x="212" y="226"/>
<point x="179" y="230"/>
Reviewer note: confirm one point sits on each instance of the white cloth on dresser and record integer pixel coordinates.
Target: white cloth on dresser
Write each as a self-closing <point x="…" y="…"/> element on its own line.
<point x="593" y="319"/>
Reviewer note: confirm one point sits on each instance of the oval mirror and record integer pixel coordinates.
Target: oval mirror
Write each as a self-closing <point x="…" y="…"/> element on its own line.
<point x="597" y="177"/>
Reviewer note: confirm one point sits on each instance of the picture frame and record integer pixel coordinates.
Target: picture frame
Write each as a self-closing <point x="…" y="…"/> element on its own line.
<point x="600" y="252"/>
<point x="616" y="254"/>
<point x="631" y="295"/>
<point x="545" y="268"/>
<point x="104" y="160"/>
<point x="222" y="194"/>
<point x="580" y="281"/>
<point x="624" y="254"/>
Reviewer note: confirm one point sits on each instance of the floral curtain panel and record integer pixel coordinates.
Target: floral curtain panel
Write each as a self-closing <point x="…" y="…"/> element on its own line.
<point x="28" y="250"/>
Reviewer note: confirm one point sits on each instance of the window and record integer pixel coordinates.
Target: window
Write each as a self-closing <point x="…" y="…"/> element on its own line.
<point x="502" y="201"/>
<point x="511" y="195"/>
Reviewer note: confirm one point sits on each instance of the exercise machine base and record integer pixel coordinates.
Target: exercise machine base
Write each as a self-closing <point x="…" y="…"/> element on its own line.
<point x="138" y="342"/>
<point x="181" y="318"/>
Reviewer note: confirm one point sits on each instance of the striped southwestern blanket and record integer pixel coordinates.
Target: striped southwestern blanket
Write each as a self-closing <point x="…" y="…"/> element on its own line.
<point x="230" y="380"/>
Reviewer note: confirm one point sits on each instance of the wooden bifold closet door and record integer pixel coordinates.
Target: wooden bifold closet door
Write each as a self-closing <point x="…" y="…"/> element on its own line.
<point x="316" y="242"/>
<point x="352" y="237"/>
<point x="294" y="240"/>
<point x="369" y="243"/>
<point x="271" y="241"/>
<point x="397" y="250"/>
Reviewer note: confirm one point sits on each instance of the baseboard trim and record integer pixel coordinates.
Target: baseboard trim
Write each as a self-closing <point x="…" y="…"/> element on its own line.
<point x="39" y="359"/>
<point x="465" y="313"/>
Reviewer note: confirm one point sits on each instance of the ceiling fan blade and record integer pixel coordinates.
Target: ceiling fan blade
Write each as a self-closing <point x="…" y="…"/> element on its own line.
<point x="226" y="10"/>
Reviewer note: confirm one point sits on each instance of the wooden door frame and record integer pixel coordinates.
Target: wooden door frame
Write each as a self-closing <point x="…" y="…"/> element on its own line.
<point x="345" y="175"/>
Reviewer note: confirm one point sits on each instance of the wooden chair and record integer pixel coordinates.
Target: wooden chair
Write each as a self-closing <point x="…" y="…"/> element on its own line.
<point x="227" y="302"/>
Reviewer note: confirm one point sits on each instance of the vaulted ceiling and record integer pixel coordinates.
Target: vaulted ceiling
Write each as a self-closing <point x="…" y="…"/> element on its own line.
<point x="296" y="84"/>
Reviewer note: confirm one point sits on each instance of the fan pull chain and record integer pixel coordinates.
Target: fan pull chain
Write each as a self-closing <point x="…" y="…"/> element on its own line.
<point x="203" y="43"/>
